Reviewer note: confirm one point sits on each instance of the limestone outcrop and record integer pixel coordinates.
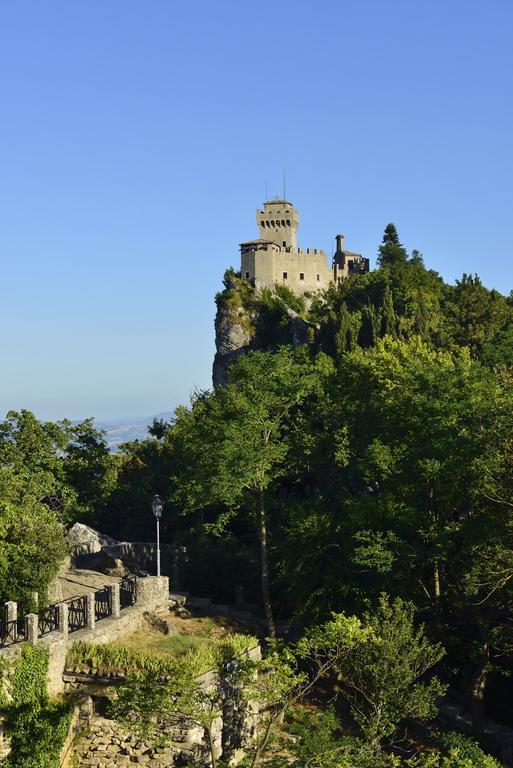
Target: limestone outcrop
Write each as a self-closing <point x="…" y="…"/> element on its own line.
<point x="251" y="317"/>
<point x="233" y="337"/>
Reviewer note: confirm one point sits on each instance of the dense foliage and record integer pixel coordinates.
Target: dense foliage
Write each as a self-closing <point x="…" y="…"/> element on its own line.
<point x="37" y="725"/>
<point x="50" y="474"/>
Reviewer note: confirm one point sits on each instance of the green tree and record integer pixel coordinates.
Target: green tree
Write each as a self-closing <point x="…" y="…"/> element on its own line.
<point x="382" y="676"/>
<point x="235" y="443"/>
<point x="150" y="705"/>
<point x="280" y="680"/>
<point x="388" y="318"/>
<point x="391" y="252"/>
<point x="88" y="468"/>
<point x="473" y="314"/>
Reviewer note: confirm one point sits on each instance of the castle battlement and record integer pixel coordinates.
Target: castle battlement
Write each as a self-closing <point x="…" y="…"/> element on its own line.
<point x="275" y="257"/>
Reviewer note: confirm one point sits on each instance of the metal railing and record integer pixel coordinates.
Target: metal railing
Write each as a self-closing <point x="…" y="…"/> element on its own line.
<point x="12" y="631"/>
<point x="16" y="631"/>
<point x="103" y="603"/>
<point x="48" y="620"/>
<point x="77" y="613"/>
<point x="127" y="592"/>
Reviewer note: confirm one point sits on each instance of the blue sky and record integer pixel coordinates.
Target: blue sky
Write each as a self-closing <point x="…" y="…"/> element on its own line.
<point x="136" y="138"/>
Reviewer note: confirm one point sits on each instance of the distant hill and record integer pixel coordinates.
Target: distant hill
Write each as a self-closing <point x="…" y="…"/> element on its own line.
<point x="120" y="431"/>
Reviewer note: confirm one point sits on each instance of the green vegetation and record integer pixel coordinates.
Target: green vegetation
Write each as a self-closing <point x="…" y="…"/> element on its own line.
<point x="49" y="474"/>
<point x="159" y="654"/>
<point x="320" y="744"/>
<point x="38" y="726"/>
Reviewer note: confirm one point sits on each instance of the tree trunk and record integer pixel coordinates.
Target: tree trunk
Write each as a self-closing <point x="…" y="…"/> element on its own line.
<point x="212" y="747"/>
<point x="436" y="580"/>
<point x="260" y="748"/>
<point x="264" y="567"/>
<point x="478" y="685"/>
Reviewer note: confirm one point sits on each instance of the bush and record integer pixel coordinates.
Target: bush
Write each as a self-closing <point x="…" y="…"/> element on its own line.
<point x="456" y="751"/>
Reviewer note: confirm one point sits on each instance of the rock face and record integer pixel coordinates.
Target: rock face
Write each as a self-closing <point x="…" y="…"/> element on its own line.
<point x="85" y="540"/>
<point x="240" y="328"/>
<point x="232" y="339"/>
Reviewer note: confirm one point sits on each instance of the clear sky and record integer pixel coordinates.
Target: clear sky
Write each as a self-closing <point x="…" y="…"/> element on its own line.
<point x="136" y="137"/>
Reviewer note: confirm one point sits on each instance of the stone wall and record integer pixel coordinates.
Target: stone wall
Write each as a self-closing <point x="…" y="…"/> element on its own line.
<point x="104" y="743"/>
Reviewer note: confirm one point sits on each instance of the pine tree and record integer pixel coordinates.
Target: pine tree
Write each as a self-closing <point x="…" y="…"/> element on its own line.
<point x="391" y="252"/>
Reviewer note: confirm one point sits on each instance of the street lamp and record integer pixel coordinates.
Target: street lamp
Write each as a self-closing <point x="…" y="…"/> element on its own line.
<point x="157" y="507"/>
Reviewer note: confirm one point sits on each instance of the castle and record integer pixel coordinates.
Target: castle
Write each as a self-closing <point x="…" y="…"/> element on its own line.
<point x="275" y="257"/>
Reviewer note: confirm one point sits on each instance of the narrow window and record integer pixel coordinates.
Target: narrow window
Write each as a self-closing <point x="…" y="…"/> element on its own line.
<point x="318" y="278"/>
<point x="247" y="274"/>
<point x="262" y="223"/>
<point x="301" y="275"/>
<point x="284" y="243"/>
<point x="288" y="222"/>
<point x="285" y="275"/>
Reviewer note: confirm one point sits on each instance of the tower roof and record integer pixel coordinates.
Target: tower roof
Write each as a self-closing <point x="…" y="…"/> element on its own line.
<point x="278" y="201"/>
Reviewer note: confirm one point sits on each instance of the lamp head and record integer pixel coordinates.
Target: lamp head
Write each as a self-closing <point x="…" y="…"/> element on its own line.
<point x="157" y="506"/>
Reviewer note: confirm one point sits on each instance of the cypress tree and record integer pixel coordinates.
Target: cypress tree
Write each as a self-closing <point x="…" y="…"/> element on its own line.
<point x="344" y="340"/>
<point x="369" y="327"/>
<point x="388" y="317"/>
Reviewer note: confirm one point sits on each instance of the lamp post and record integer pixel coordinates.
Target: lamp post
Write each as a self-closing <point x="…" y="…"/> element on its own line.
<point x="157" y="507"/>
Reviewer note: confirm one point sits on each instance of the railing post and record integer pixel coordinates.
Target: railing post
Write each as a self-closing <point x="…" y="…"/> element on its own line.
<point x="11" y="611"/>
<point x="32" y="620"/>
<point x="63" y="618"/>
<point x="116" y="601"/>
<point x="91" y="615"/>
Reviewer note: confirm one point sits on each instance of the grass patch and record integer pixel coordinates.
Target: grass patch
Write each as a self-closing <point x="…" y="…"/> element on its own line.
<point x="158" y="653"/>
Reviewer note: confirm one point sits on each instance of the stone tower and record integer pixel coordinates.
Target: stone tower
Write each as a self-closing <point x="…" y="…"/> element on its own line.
<point x="275" y="258"/>
<point x="278" y="223"/>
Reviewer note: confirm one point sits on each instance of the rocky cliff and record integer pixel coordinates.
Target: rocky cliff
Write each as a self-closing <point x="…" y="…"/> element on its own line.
<point x="254" y="317"/>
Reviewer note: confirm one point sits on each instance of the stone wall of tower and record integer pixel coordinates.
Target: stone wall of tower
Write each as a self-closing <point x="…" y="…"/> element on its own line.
<point x="299" y="270"/>
<point x="278" y="222"/>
